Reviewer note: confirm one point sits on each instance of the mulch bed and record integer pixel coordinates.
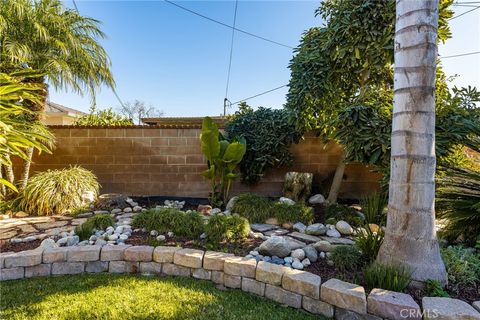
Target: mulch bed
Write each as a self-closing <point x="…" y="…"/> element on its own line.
<point x="326" y="272"/>
<point x="241" y="248"/>
<point x="6" y="246"/>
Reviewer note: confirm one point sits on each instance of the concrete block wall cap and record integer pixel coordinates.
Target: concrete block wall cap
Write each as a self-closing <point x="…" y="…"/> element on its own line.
<point x="139" y="253"/>
<point x="24" y="258"/>
<point x="164" y="254"/>
<point x="191" y="258"/>
<point x="302" y="282"/>
<point x="392" y="305"/>
<point x="345" y="295"/>
<point x="86" y="253"/>
<point x="113" y="253"/>
<point x="213" y="260"/>
<point x="447" y="308"/>
<point x="270" y="273"/>
<point x="240" y="266"/>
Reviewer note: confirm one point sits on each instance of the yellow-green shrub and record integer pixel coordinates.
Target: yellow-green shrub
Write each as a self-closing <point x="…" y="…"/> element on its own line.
<point x="226" y="228"/>
<point x="56" y="191"/>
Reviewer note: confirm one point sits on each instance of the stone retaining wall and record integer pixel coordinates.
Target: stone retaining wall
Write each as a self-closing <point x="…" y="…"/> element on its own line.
<point x="295" y="288"/>
<point x="158" y="161"/>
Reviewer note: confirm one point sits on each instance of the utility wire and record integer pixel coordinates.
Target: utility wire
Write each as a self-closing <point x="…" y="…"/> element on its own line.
<point x="268" y="91"/>
<point x="75" y="5"/>
<point x="113" y="89"/>
<point x="461" y="55"/>
<point x="464" y="13"/>
<point x="226" y="25"/>
<point x="231" y="48"/>
<point x="260" y="94"/>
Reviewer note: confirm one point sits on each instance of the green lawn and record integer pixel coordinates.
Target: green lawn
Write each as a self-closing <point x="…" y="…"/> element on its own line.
<point x="106" y="296"/>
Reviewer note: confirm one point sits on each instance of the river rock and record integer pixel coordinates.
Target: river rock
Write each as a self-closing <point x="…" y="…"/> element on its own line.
<point x="316" y="199"/>
<point x="286" y="200"/>
<point x="333" y="233"/>
<point x="311" y="253"/>
<point x="298" y="254"/>
<point x="300" y="227"/>
<point x="275" y="246"/>
<point x="316" y="229"/>
<point x="344" y="228"/>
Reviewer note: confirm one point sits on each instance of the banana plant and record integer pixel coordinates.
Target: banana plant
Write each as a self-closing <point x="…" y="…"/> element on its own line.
<point x="223" y="158"/>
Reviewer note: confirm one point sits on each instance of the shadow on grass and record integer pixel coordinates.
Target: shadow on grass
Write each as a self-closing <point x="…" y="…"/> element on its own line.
<point x="107" y="296"/>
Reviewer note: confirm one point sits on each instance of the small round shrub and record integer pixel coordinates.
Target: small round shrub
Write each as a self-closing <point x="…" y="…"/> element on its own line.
<point x="342" y="212"/>
<point x="346" y="258"/>
<point x="388" y="277"/>
<point x="254" y="207"/>
<point x="463" y="266"/>
<point x="57" y="191"/>
<point x="185" y="224"/>
<point x="285" y="212"/>
<point x="99" y="221"/>
<point x="226" y="228"/>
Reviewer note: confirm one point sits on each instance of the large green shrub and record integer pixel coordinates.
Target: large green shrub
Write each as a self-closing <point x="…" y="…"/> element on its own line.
<point x="254" y="207"/>
<point x="106" y="117"/>
<point x="458" y="202"/>
<point x="56" y="191"/>
<point x="463" y="266"/>
<point x="285" y="212"/>
<point x="186" y="224"/>
<point x="269" y="134"/>
<point x="388" y="277"/>
<point x="99" y="222"/>
<point x="223" y="157"/>
<point x="226" y="228"/>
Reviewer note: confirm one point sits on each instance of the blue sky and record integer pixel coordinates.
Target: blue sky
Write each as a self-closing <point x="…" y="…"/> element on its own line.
<point x="178" y="62"/>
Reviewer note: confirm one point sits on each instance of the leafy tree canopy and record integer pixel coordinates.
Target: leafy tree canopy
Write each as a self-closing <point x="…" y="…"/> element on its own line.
<point x="105" y="117"/>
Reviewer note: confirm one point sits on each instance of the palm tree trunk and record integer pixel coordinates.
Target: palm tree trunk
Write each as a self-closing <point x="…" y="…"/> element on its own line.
<point x="26" y="169"/>
<point x="410" y="237"/>
<point x="2" y="187"/>
<point x="337" y="181"/>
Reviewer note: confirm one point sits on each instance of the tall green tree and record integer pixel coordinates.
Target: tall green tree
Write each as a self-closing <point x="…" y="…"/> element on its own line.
<point x="345" y="69"/>
<point x="58" y="42"/>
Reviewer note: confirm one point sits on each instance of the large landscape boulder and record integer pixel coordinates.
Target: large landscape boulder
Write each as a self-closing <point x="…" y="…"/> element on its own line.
<point x="275" y="246"/>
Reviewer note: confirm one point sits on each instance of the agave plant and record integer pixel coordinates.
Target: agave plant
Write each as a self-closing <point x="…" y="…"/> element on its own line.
<point x="223" y="158"/>
<point x="458" y="203"/>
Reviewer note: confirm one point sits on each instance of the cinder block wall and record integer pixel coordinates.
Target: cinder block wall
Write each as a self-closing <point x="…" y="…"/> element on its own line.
<point x="154" y="160"/>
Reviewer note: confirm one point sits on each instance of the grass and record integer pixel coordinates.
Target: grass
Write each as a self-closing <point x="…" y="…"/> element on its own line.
<point x="188" y="224"/>
<point x="107" y="296"/>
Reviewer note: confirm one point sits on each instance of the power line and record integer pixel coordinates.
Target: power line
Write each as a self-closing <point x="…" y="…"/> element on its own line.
<point x="75" y="5"/>
<point x="260" y="94"/>
<point x="464" y="13"/>
<point x="226" y="25"/>
<point x="461" y="55"/>
<point x="231" y="48"/>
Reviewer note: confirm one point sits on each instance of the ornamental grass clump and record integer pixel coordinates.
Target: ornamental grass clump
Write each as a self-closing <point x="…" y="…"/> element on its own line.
<point x="184" y="224"/>
<point x="388" y="277"/>
<point x="346" y="258"/>
<point x="254" y="207"/>
<point x="285" y="212"/>
<point x="57" y="191"/>
<point x="99" y="222"/>
<point x="232" y="228"/>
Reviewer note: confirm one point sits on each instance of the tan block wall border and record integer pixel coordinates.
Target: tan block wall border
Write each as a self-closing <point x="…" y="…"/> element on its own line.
<point x="167" y="161"/>
<point x="332" y="298"/>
